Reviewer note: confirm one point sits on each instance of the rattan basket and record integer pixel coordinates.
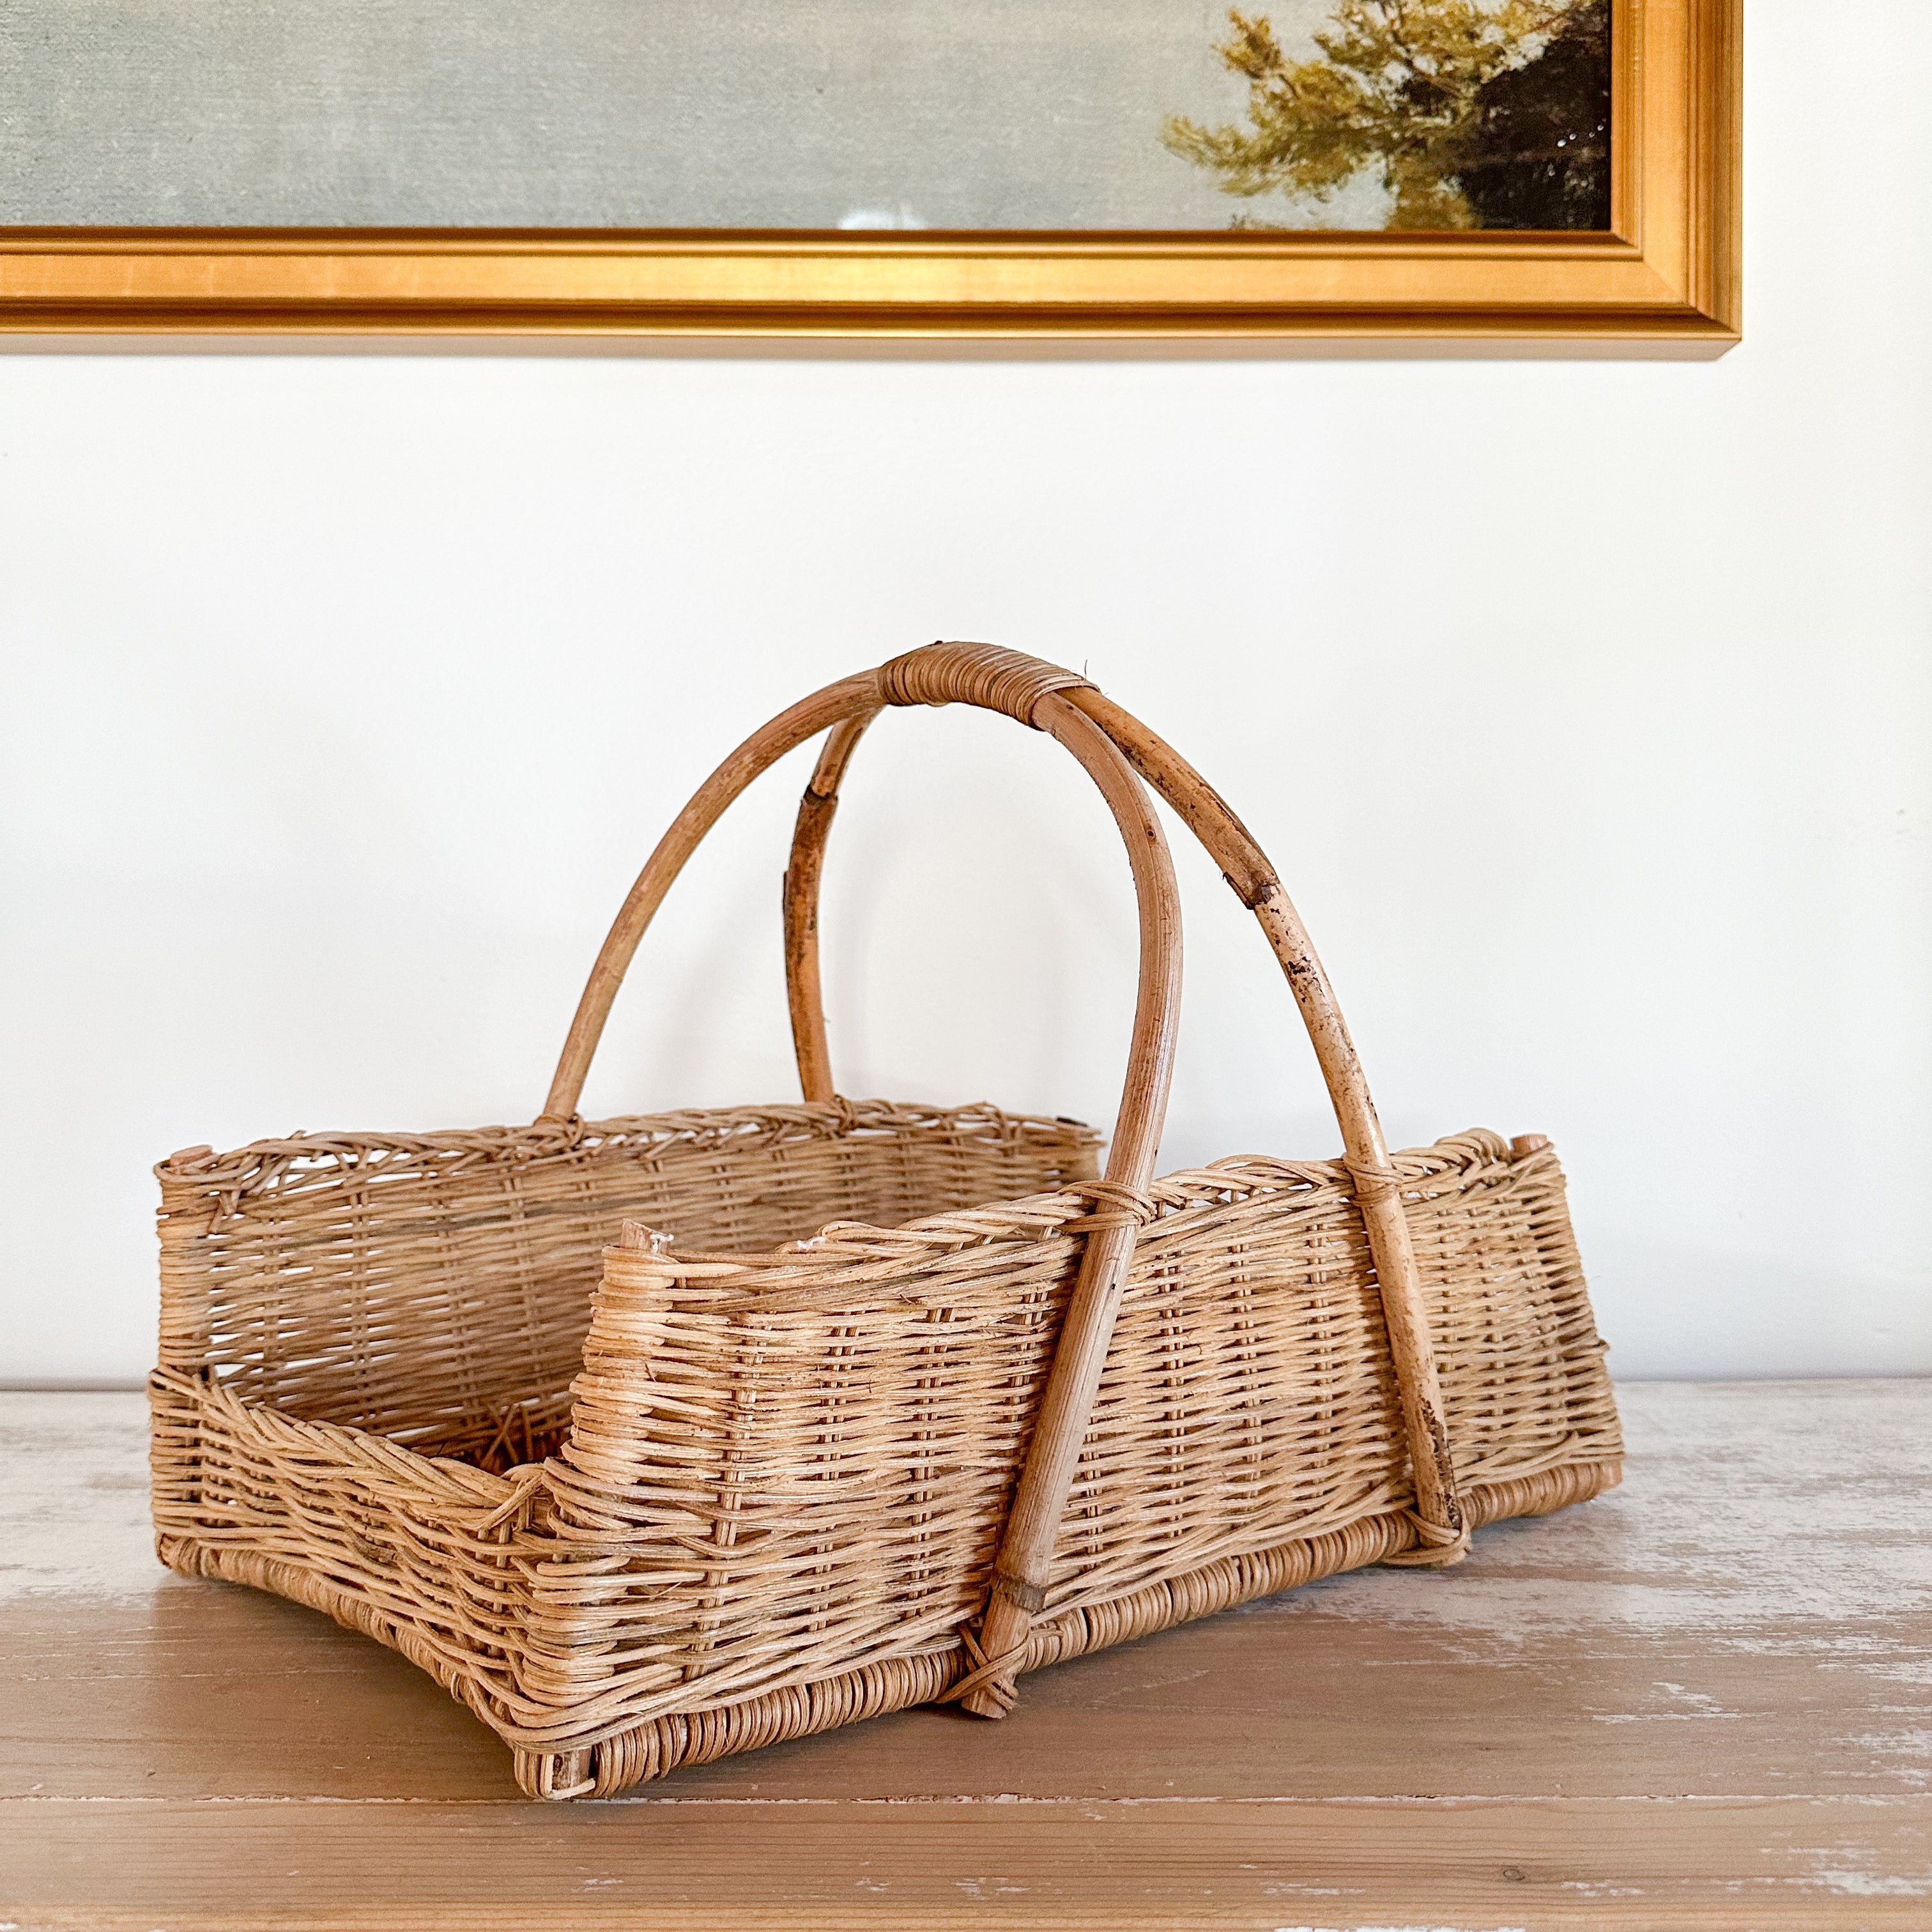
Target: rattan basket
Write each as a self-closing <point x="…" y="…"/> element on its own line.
<point x="873" y="1404"/>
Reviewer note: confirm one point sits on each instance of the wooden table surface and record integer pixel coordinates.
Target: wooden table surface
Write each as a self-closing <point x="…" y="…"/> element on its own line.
<point x="1703" y="1701"/>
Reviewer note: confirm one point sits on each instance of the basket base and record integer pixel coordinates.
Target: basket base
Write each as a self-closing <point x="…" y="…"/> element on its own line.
<point x="602" y="1766"/>
<point x="612" y="1764"/>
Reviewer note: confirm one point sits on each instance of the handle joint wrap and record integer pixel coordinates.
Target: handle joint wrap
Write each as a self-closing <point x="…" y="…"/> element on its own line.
<point x="981" y="674"/>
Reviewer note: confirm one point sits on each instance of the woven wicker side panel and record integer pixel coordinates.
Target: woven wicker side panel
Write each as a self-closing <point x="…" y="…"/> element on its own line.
<point x="795" y="1491"/>
<point x="812" y="1478"/>
<point x="780" y="1502"/>
<point x="1249" y="1395"/>
<point x="421" y="1554"/>
<point x="1524" y="1379"/>
<point x="437" y="1289"/>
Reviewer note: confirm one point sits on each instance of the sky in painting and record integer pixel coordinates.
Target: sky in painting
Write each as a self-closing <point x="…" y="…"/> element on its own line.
<point x="623" y="113"/>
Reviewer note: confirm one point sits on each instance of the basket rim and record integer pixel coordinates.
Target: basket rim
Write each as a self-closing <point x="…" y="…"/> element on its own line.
<point x="288" y="1164"/>
<point x="847" y="1262"/>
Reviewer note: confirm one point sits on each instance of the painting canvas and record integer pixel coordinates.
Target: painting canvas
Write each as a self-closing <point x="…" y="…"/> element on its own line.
<point x="974" y="115"/>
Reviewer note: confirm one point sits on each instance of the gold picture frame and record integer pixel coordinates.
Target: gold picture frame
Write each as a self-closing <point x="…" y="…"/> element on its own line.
<point x="1664" y="280"/>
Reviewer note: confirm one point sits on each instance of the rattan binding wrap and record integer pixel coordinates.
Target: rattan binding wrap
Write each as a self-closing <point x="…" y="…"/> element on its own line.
<point x="662" y="1437"/>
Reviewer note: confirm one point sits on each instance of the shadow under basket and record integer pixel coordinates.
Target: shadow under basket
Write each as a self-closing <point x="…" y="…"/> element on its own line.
<point x="915" y="1402"/>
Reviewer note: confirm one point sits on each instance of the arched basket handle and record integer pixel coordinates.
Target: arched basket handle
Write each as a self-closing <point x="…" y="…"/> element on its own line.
<point x="948" y="673"/>
<point x="1033" y="693"/>
<point x="1112" y="746"/>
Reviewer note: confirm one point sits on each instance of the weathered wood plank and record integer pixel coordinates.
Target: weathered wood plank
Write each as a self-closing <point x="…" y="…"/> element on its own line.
<point x="1732" y="1866"/>
<point x="228" y="1694"/>
<point x="1705" y="1700"/>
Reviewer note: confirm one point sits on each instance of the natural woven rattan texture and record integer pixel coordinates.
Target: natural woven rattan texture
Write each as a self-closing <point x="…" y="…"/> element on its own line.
<point x="436" y="1288"/>
<point x="783" y="1487"/>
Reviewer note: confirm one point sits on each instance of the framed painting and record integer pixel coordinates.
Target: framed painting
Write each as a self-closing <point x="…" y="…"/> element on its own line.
<point x="1562" y="172"/>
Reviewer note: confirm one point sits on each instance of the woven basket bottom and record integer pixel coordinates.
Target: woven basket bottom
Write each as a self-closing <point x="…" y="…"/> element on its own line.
<point x="651" y="1749"/>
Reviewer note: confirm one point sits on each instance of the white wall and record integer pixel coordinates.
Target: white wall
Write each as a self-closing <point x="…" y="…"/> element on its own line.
<point x="1584" y="707"/>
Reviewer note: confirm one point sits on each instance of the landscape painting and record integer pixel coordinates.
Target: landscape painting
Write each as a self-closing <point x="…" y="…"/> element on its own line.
<point x="1148" y="116"/>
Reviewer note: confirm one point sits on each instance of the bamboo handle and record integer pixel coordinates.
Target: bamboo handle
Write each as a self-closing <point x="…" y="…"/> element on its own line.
<point x="762" y="749"/>
<point x="1033" y="692"/>
<point x="803" y="992"/>
<point x="1025" y="1559"/>
<point x="1441" y="1531"/>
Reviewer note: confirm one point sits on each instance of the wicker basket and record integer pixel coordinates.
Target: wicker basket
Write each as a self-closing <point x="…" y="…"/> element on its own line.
<point x="917" y="1403"/>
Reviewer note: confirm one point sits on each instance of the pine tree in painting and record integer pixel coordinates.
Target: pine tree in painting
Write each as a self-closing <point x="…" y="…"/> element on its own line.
<point x="1466" y="108"/>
